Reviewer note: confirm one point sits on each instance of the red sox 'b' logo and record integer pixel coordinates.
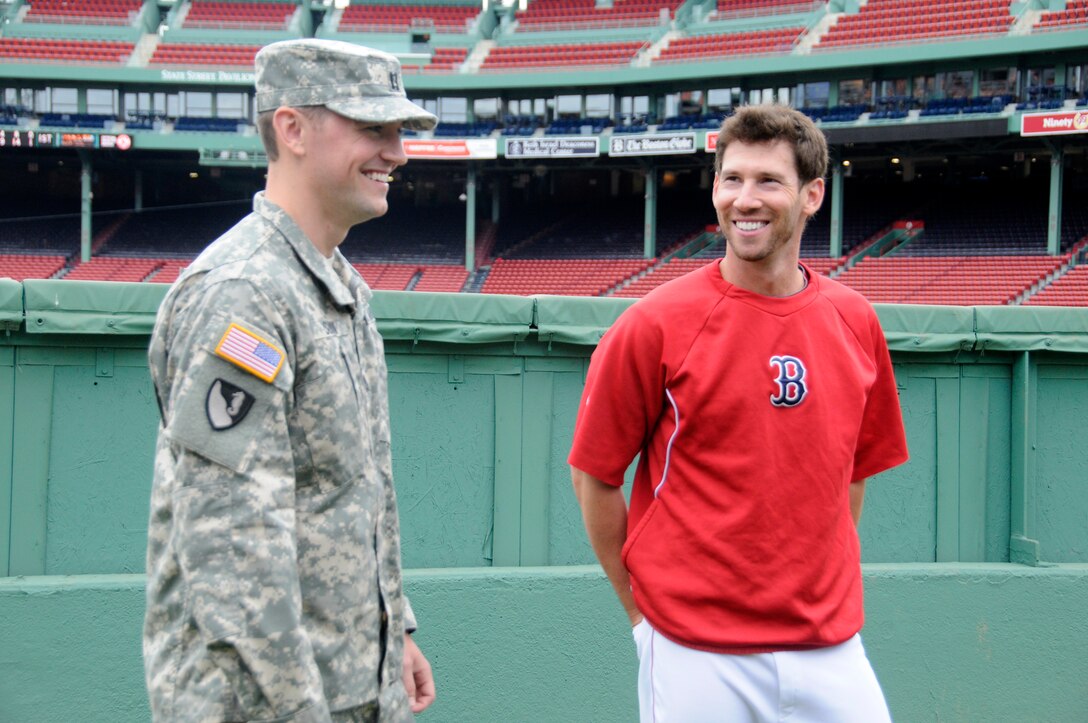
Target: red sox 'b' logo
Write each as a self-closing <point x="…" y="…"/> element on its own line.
<point x="790" y="380"/>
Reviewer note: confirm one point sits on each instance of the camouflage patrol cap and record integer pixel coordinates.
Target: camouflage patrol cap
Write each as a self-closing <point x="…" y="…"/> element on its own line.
<point x="355" y="81"/>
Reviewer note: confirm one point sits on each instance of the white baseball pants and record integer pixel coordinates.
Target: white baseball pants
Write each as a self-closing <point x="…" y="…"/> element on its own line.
<point x="677" y="684"/>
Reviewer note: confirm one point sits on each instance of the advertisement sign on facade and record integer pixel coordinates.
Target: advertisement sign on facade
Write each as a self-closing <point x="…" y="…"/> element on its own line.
<point x="1054" y="123"/>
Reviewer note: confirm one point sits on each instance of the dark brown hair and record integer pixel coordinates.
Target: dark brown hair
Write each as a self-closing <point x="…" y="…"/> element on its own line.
<point x="772" y="122"/>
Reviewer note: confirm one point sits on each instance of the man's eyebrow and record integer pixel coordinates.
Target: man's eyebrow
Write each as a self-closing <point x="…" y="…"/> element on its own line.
<point x="761" y="172"/>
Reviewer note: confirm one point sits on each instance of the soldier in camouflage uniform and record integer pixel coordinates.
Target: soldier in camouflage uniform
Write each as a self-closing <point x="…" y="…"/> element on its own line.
<point x="274" y="581"/>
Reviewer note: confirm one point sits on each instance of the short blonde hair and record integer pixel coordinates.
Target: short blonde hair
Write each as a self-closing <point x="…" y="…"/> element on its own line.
<point x="268" y="132"/>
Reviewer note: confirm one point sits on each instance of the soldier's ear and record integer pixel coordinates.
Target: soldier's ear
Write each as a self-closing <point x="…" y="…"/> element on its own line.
<point x="289" y="123"/>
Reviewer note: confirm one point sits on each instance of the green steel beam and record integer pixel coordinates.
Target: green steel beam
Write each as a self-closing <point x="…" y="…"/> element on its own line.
<point x="1054" y="219"/>
<point x="138" y="189"/>
<point x="836" y="210"/>
<point x="86" y="195"/>
<point x="649" y="226"/>
<point x="470" y="218"/>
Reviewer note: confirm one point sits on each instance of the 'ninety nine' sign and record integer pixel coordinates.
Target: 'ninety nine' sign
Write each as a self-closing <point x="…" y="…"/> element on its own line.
<point x="1050" y="124"/>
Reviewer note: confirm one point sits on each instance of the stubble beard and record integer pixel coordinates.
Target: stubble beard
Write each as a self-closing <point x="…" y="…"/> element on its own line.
<point x="779" y="238"/>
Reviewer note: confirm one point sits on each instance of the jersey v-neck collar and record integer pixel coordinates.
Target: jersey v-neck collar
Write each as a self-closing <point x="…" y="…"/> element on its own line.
<point x="777" y="305"/>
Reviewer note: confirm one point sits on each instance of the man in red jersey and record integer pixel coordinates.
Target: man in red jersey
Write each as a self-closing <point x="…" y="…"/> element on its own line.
<point x="759" y="397"/>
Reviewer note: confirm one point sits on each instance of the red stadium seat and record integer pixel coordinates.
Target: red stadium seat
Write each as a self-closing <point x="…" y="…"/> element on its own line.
<point x="893" y="21"/>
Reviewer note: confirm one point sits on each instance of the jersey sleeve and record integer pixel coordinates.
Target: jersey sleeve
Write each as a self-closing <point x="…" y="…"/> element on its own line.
<point x="882" y="443"/>
<point x="234" y="513"/>
<point x="622" y="399"/>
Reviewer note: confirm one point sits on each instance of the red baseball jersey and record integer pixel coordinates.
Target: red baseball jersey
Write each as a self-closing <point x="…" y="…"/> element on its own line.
<point x="752" y="416"/>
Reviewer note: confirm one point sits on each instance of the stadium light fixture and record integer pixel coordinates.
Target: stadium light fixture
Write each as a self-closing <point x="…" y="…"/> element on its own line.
<point x="846" y="163"/>
<point x="895" y="160"/>
<point x="194" y="174"/>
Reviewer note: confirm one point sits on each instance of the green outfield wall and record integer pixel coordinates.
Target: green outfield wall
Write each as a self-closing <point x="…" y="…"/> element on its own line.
<point x="975" y="552"/>
<point x="949" y="642"/>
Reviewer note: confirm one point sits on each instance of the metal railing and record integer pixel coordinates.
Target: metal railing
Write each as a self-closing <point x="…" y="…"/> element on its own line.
<point x="81" y="19"/>
<point x="768" y="11"/>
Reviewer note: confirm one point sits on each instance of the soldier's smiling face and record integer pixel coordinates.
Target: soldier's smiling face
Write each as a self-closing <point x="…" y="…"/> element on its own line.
<point x="350" y="163"/>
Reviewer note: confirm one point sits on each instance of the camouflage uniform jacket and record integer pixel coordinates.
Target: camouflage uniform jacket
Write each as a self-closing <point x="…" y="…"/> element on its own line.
<point x="273" y="544"/>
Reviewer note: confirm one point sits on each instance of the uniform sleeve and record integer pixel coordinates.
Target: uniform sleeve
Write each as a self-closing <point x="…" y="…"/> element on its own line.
<point x="410" y="624"/>
<point x="882" y="443"/>
<point x="226" y="422"/>
<point x="622" y="399"/>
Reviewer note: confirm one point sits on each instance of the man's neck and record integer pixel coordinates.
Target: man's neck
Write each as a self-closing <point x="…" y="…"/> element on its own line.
<point x="778" y="278"/>
<point x="319" y="231"/>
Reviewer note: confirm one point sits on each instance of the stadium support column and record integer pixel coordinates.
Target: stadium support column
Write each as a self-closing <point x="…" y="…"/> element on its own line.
<point x="85" y="197"/>
<point x="649" y="228"/>
<point x="836" y="210"/>
<point x="470" y="218"/>
<point x="1054" y="222"/>
<point x="138" y="195"/>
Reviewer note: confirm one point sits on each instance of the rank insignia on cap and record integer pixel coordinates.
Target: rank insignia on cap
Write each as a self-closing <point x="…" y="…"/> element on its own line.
<point x="227" y="404"/>
<point x="250" y="352"/>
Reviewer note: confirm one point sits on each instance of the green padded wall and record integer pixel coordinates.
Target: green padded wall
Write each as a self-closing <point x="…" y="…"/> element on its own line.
<point x="516" y="619"/>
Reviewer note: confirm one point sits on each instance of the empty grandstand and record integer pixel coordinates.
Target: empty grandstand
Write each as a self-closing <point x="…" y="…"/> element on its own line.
<point x="49" y="50"/>
<point x="573" y="132"/>
<point x="386" y="17"/>
<point x="238" y="14"/>
<point x="83" y="12"/>
<point x="574" y="158"/>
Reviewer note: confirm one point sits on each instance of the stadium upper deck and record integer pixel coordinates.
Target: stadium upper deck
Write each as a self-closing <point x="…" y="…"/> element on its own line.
<point x="561" y="99"/>
<point x="903" y="57"/>
<point x="868" y="71"/>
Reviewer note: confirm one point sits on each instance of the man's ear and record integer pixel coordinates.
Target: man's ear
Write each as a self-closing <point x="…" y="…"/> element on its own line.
<point x="813" y="192"/>
<point x="288" y="123"/>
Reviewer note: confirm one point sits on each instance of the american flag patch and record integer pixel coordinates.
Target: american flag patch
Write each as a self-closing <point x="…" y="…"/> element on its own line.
<point x="251" y="352"/>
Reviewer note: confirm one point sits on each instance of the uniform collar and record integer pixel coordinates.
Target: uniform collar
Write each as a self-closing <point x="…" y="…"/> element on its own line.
<point x="777" y="305"/>
<point x="340" y="280"/>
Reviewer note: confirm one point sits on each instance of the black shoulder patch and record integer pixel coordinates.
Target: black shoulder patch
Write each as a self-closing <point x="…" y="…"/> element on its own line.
<point x="227" y="405"/>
